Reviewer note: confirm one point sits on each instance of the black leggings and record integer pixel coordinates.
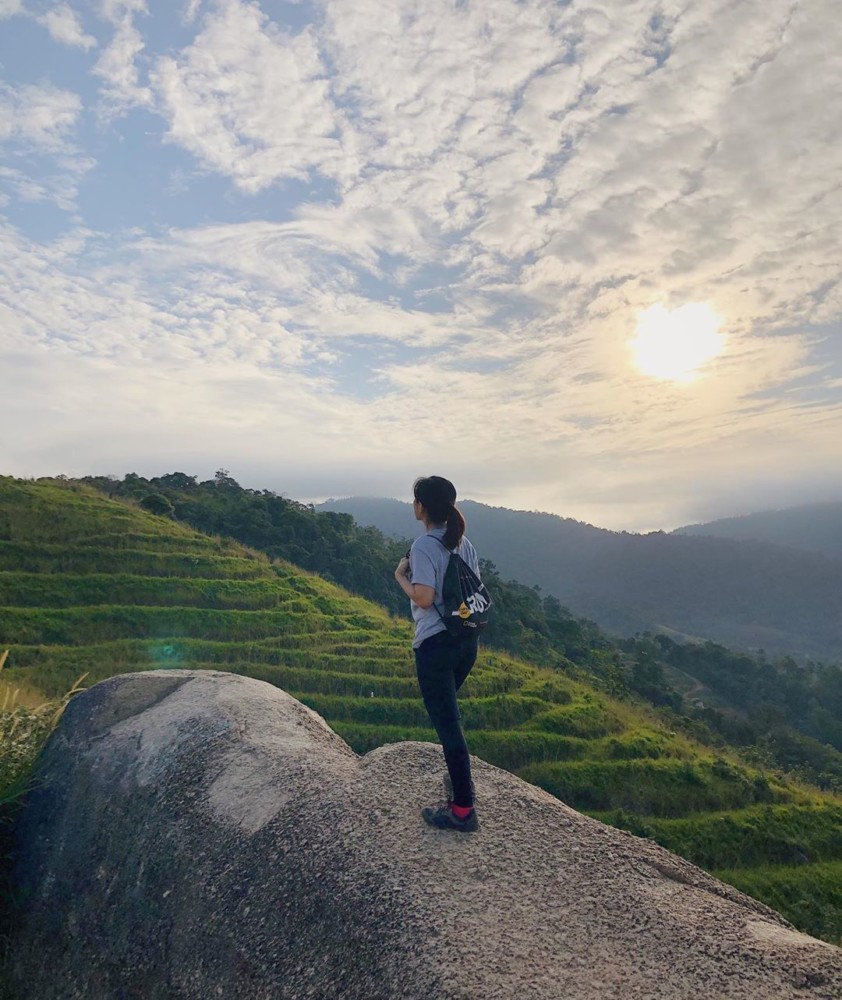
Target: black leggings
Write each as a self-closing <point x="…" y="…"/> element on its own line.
<point x="442" y="663"/>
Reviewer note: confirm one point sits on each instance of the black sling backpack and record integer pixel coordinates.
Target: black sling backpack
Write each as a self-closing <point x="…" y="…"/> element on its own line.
<point x="466" y="602"/>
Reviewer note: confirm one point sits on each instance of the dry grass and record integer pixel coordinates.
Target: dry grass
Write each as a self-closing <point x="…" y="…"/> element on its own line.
<point x="14" y="696"/>
<point x="17" y="695"/>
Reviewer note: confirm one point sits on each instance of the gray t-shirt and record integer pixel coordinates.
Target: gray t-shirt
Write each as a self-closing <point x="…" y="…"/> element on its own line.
<point x="428" y="561"/>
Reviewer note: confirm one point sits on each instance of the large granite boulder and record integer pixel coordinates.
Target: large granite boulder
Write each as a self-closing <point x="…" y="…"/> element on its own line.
<point x="201" y="835"/>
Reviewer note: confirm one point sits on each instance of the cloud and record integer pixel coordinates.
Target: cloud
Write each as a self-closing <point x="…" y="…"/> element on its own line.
<point x="573" y="162"/>
<point x="105" y="360"/>
<point x="8" y="8"/>
<point x="690" y="195"/>
<point x="115" y="11"/>
<point x="60" y="188"/>
<point x="250" y="100"/>
<point x="191" y="10"/>
<point x="40" y="160"/>
<point x="493" y="193"/>
<point x="38" y="115"/>
<point x="117" y="68"/>
<point x="206" y="302"/>
<point x="64" y="26"/>
<point x="97" y="414"/>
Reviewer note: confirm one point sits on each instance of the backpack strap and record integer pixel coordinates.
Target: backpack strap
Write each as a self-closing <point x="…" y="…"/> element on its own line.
<point x="441" y="616"/>
<point x="441" y="542"/>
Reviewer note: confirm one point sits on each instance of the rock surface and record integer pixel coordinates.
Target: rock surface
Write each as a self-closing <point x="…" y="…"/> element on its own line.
<point x="199" y="834"/>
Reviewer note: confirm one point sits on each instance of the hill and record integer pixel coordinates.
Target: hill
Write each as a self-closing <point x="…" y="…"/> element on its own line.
<point x="814" y="527"/>
<point x="89" y="584"/>
<point x="744" y="594"/>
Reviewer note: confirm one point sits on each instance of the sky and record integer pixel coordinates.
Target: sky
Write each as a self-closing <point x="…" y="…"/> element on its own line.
<point x="578" y="257"/>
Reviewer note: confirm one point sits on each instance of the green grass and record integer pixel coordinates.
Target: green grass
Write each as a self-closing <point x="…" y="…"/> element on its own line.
<point x="23" y="732"/>
<point x="509" y="749"/>
<point x="589" y="718"/>
<point x="661" y="788"/>
<point x="67" y="590"/>
<point x="810" y="896"/>
<point x="17" y="556"/>
<point x="497" y="712"/>
<point x="755" y="837"/>
<point x="80" y="626"/>
<point x="97" y="587"/>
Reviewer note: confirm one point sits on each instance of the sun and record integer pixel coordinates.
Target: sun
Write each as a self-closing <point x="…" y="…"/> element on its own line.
<point x="675" y="345"/>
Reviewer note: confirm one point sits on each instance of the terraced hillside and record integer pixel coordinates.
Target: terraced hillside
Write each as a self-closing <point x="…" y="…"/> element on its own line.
<point x="91" y="585"/>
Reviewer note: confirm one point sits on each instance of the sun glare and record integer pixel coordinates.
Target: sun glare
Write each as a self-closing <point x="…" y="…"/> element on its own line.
<point x="676" y="345"/>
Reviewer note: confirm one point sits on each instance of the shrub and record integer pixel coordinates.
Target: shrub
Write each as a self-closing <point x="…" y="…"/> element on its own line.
<point x="157" y="503"/>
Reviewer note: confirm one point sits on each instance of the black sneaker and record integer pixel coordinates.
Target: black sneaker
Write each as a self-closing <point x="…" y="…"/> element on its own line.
<point x="444" y="818"/>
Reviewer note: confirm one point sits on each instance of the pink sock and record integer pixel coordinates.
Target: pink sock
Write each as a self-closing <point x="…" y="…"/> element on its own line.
<point x="461" y="812"/>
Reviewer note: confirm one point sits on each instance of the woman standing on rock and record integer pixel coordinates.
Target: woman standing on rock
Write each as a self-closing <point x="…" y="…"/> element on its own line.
<point x="442" y="661"/>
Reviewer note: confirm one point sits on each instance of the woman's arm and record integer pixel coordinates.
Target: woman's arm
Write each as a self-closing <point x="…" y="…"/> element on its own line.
<point x="422" y="595"/>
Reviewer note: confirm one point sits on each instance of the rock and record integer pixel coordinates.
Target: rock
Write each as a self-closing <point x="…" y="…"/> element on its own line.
<point x="198" y="834"/>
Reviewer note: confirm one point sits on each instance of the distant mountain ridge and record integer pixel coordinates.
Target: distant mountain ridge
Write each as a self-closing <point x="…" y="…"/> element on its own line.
<point x="814" y="527"/>
<point x="745" y="594"/>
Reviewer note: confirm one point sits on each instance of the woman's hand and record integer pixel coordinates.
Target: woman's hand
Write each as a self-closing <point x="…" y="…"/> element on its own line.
<point x="402" y="570"/>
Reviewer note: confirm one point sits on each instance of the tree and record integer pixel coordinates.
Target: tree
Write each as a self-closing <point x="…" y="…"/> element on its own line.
<point x="176" y="481"/>
<point x="157" y="503"/>
<point x="222" y="478"/>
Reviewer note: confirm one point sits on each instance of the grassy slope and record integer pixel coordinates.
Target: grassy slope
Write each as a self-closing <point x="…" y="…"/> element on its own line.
<point x="92" y="585"/>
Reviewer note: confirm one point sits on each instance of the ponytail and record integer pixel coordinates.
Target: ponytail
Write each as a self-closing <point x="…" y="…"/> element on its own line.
<point x="438" y="496"/>
<point x="455" y="527"/>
